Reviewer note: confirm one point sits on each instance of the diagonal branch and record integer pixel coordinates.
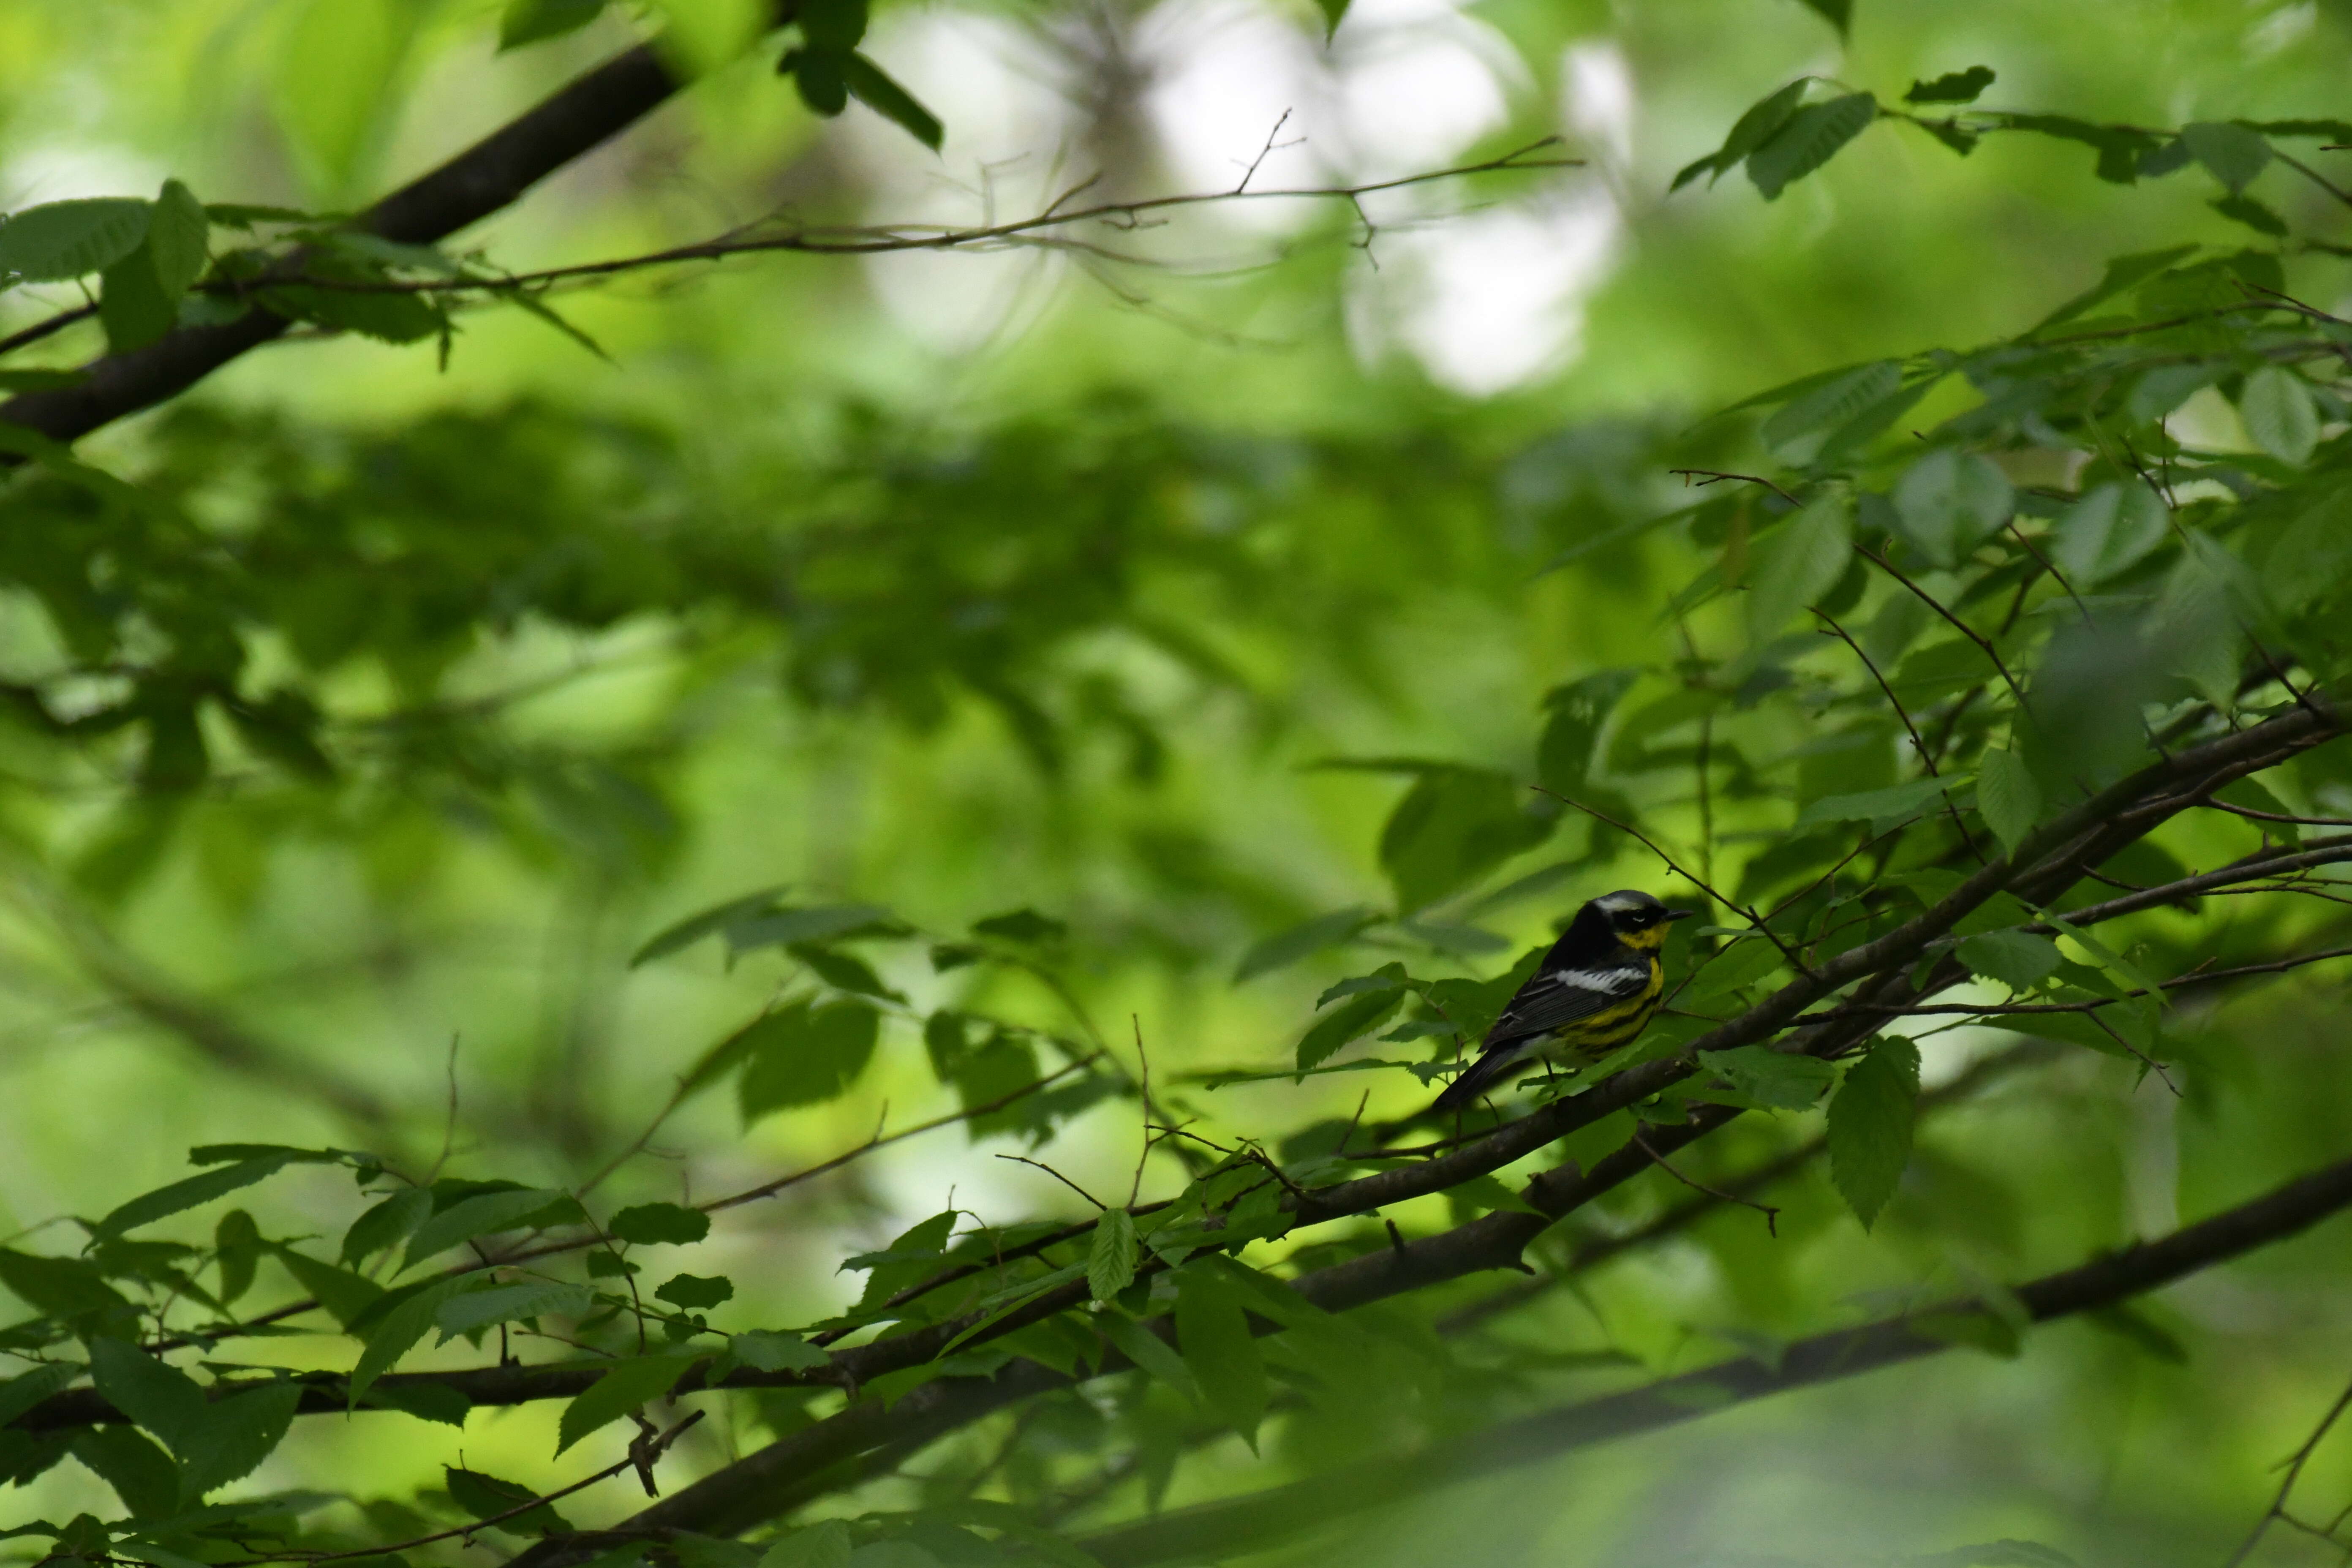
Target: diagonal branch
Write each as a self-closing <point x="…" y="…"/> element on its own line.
<point x="1211" y="1530"/>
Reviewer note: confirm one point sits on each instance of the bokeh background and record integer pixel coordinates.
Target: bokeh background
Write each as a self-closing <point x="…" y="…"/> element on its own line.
<point x="957" y="583"/>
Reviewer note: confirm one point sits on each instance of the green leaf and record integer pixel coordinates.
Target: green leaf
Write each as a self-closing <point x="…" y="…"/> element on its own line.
<point x="2122" y="273"/>
<point x="531" y="21"/>
<point x="2314" y="553"/>
<point x="59" y="240"/>
<point x="2279" y="413"/>
<point x="771" y="1350"/>
<point x="1361" y="1016"/>
<point x="1870" y="1126"/>
<point x="486" y="1497"/>
<point x="825" y="1544"/>
<point x="1288" y="947"/>
<point x="660" y="1224"/>
<point x="1110" y="1263"/>
<point x="186" y="1194"/>
<point x="1334" y="12"/>
<point x="2231" y="153"/>
<point x="231" y="1438"/>
<point x="1749" y="133"/>
<point x="1571" y="736"/>
<point x="425" y="1400"/>
<point x="485" y="1214"/>
<point x="1215" y="1336"/>
<point x="696" y="1291"/>
<point x="1772" y="1080"/>
<point x="805" y="1054"/>
<point x="132" y="304"/>
<point x="178" y="239"/>
<point x="397" y="1331"/>
<point x="816" y="73"/>
<point x="695" y="927"/>
<point x="1741" y="965"/>
<point x="1838" y="14"/>
<point x="1899" y="803"/>
<point x="1830" y="402"/>
<point x="391" y="316"/>
<point x="2018" y="959"/>
<point x="1810" y="138"/>
<point x="1454" y="825"/>
<point x="1024" y="925"/>
<point x="781" y="928"/>
<point x="628" y="1385"/>
<point x="160" y="1397"/>
<point x="1152" y="1353"/>
<point x="344" y="1295"/>
<point x="2111" y="530"/>
<point x="237" y="1252"/>
<point x="1480" y="1194"/>
<point x="2008" y="796"/>
<point x="2254" y="215"/>
<point x="1801" y="561"/>
<point x="505" y="1304"/>
<point x="878" y="93"/>
<point x="1955" y="86"/>
<point x="141" y="1474"/>
<point x="57" y="1287"/>
<point x="20" y="1394"/>
<point x="387" y="1224"/>
<point x="1948" y="502"/>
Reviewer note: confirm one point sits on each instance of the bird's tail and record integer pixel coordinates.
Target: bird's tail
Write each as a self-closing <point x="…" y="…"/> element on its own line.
<point x="1480" y="1076"/>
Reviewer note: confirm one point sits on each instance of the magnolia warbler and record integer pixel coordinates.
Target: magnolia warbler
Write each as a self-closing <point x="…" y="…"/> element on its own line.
<point x="1596" y="989"/>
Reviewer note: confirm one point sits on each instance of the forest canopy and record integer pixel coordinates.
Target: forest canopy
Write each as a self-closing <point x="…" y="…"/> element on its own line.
<point x="756" y="761"/>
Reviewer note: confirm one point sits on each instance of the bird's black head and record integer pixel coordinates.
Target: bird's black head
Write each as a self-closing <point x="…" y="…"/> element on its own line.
<point x="1639" y="920"/>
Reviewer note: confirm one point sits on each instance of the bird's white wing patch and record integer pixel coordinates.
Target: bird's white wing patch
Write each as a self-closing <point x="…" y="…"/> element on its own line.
<point x="1618" y="982"/>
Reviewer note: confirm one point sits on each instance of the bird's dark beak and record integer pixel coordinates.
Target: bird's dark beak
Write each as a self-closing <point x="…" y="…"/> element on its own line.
<point x="1673" y="915"/>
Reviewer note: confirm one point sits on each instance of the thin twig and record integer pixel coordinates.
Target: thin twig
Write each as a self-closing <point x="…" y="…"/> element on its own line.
<point x="2294" y="1464"/>
<point x="1771" y="1214"/>
<point x="1964" y="629"/>
<point x="1040" y="1165"/>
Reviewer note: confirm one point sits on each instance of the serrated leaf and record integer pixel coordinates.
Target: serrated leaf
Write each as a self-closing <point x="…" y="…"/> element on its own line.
<point x="20" y="1394"/>
<point x="386" y="1224"/>
<point x="61" y="240"/>
<point x="771" y="1350"/>
<point x="506" y="1303"/>
<point x="1152" y="1353"/>
<point x="1288" y="947"/>
<point x="187" y="1193"/>
<point x="1359" y="1017"/>
<point x="1773" y="1080"/>
<point x="628" y="1385"/>
<point x="1831" y="404"/>
<point x="1110" y="1263"/>
<point x="400" y="1327"/>
<point x="2231" y="153"/>
<point x="2111" y="530"/>
<point x="1870" y="1126"/>
<point x="158" y="1397"/>
<point x="1741" y="965"/>
<point x="2018" y="959"/>
<point x="1754" y="124"/>
<point x="228" y="1441"/>
<point x="1799" y="562"/>
<point x="486" y="1497"/>
<point x="485" y="1214"/>
<point x="344" y="1295"/>
<point x="1948" y="502"/>
<point x="1811" y="139"/>
<point x="1898" y="803"/>
<point x="1954" y="87"/>
<point x="659" y="1225"/>
<point x="696" y="1291"/>
<point x="804" y="1055"/>
<point x="2279" y="413"/>
<point x="2007" y="797"/>
<point x="178" y="238"/>
<point x="705" y="922"/>
<point x="1213" y="1334"/>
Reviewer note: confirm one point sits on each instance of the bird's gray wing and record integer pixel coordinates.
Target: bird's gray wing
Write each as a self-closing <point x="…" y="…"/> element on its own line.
<point x="1558" y="996"/>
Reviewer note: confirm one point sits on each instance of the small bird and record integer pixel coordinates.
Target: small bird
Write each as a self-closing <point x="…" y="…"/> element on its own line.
<point x="1596" y="989"/>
